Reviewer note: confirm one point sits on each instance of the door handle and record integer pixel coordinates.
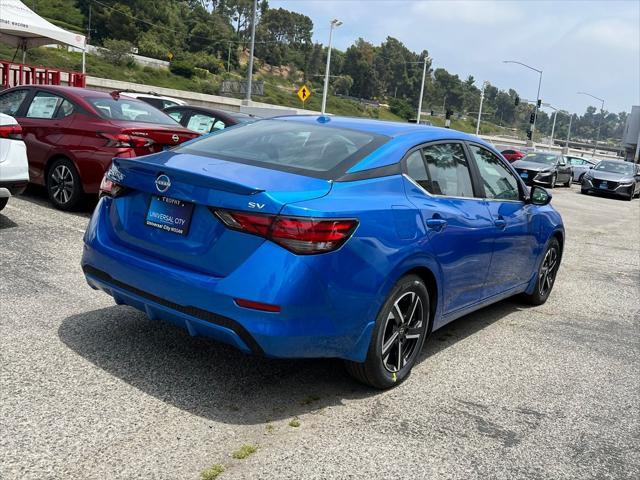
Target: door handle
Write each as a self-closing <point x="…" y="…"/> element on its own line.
<point x="501" y="223"/>
<point x="436" y="224"/>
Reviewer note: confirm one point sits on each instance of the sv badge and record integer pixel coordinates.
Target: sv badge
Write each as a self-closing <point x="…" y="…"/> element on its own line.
<point x="256" y="205"/>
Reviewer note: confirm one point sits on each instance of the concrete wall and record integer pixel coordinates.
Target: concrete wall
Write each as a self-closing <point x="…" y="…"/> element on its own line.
<point x="195" y="98"/>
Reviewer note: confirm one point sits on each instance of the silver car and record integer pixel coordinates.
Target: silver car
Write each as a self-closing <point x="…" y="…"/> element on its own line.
<point x="580" y="166"/>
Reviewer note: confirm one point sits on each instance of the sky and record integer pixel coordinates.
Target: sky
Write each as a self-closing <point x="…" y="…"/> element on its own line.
<point x="588" y="46"/>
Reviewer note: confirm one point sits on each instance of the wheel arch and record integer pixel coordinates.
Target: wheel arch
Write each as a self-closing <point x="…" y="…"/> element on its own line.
<point x="58" y="156"/>
<point x="429" y="279"/>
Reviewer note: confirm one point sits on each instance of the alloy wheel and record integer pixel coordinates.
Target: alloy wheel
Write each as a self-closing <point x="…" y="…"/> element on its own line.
<point x="62" y="185"/>
<point x="402" y="331"/>
<point x="547" y="274"/>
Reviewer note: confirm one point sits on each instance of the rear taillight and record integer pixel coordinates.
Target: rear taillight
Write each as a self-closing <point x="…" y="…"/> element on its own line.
<point x="302" y="235"/>
<point x="124" y="140"/>
<point x="109" y="187"/>
<point x="14" y="132"/>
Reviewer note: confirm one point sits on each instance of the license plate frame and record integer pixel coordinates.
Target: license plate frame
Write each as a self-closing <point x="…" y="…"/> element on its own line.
<point x="524" y="174"/>
<point x="169" y="214"/>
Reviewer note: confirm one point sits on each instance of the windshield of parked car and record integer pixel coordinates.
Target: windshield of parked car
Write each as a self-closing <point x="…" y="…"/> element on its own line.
<point x="615" y="167"/>
<point x="129" y="109"/>
<point x="287" y="145"/>
<point x="547" y="158"/>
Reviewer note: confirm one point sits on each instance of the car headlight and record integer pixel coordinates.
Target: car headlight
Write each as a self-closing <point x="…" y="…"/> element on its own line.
<point x="628" y="183"/>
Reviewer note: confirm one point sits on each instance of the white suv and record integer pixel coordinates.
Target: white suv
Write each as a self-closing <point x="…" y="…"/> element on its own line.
<point x="14" y="168"/>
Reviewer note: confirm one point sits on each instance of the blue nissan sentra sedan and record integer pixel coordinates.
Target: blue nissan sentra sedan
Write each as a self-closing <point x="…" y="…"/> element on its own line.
<point x="322" y="236"/>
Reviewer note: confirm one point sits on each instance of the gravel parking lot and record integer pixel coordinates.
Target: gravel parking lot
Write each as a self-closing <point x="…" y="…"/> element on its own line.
<point x="90" y="390"/>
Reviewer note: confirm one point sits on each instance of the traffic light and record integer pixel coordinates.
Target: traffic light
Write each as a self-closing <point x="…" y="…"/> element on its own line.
<point x="432" y="114"/>
<point x="448" y="114"/>
<point x="529" y="134"/>
<point x="532" y="118"/>
<point x="539" y="103"/>
<point x="517" y="101"/>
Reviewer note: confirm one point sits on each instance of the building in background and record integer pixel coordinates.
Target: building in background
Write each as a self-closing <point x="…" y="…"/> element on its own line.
<point x="631" y="136"/>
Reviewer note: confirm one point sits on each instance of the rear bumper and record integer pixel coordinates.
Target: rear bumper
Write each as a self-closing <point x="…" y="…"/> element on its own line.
<point x="12" y="188"/>
<point x="310" y="324"/>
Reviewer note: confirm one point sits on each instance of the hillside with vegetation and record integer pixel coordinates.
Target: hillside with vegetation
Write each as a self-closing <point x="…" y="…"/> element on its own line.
<point x="207" y="41"/>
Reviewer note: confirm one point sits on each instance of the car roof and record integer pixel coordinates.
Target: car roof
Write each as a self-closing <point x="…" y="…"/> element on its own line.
<point x="379" y="127"/>
<point x="77" y="91"/>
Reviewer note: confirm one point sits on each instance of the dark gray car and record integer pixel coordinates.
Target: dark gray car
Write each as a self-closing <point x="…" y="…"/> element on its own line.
<point x="613" y="177"/>
<point x="544" y="168"/>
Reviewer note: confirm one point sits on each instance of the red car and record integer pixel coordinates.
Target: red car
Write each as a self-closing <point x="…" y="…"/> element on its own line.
<point x="512" y="155"/>
<point x="73" y="133"/>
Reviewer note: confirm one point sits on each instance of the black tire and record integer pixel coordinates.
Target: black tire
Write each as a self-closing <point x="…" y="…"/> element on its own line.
<point x="386" y="371"/>
<point x="568" y="184"/>
<point x="553" y="181"/>
<point x="581" y="177"/>
<point x="3" y="203"/>
<point x="63" y="184"/>
<point x="546" y="276"/>
<point x="583" y="191"/>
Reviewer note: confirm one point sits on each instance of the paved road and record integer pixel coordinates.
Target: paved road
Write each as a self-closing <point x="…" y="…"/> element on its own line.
<point x="89" y="390"/>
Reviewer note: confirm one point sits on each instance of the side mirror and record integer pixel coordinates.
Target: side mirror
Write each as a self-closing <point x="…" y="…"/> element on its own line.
<point x="539" y="196"/>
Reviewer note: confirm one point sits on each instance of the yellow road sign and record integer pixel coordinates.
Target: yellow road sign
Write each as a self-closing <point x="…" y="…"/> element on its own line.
<point x="170" y="55"/>
<point x="304" y="93"/>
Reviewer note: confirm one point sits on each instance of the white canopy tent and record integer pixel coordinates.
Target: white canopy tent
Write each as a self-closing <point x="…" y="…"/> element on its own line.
<point x="23" y="28"/>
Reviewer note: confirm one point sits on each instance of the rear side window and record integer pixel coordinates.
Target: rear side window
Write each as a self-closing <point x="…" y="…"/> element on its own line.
<point x="417" y="171"/>
<point x="10" y="102"/>
<point x="310" y="149"/>
<point x="448" y="170"/>
<point x="201" y="123"/>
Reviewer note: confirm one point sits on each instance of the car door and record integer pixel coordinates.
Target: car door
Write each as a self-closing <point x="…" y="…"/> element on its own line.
<point x="458" y="228"/>
<point x="514" y="240"/>
<point x="47" y="126"/>
<point x="564" y="169"/>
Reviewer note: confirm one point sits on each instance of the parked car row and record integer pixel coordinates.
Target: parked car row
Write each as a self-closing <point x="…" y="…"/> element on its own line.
<point x="72" y="134"/>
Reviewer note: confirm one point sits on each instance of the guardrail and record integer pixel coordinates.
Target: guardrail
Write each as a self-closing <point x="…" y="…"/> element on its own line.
<point x="15" y="74"/>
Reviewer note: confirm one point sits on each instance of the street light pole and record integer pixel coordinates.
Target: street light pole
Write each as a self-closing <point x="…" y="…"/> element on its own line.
<point x="599" y="121"/>
<point x="553" y="127"/>
<point x="253" y="44"/>
<point x="569" y="131"/>
<point x="334" y="24"/>
<point x="424" y="74"/>
<point x="535" y="115"/>
<point x="484" y="84"/>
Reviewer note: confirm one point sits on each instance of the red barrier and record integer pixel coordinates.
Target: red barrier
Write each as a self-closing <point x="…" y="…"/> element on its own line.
<point x="14" y="74"/>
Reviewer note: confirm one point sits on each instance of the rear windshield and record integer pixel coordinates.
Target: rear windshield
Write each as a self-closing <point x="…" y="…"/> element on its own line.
<point x="615" y="167"/>
<point x="309" y="149"/>
<point x="130" y="110"/>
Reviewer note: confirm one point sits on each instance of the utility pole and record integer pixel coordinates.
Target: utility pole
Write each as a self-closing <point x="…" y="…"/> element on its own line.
<point x="335" y="23"/>
<point x="484" y="84"/>
<point x="229" y="58"/>
<point x="569" y="131"/>
<point x="253" y="44"/>
<point x="599" y="121"/>
<point x="424" y="75"/>
<point x="535" y="112"/>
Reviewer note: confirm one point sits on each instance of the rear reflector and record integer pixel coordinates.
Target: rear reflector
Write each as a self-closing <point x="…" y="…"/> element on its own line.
<point x="13" y="132"/>
<point x="302" y="235"/>
<point x="265" y="307"/>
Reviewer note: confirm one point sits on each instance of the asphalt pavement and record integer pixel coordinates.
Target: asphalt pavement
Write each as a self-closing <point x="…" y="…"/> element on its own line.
<point x="91" y="390"/>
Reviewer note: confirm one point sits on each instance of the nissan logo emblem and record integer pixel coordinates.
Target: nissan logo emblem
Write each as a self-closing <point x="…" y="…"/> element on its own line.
<point x="163" y="183"/>
<point x="175" y="138"/>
